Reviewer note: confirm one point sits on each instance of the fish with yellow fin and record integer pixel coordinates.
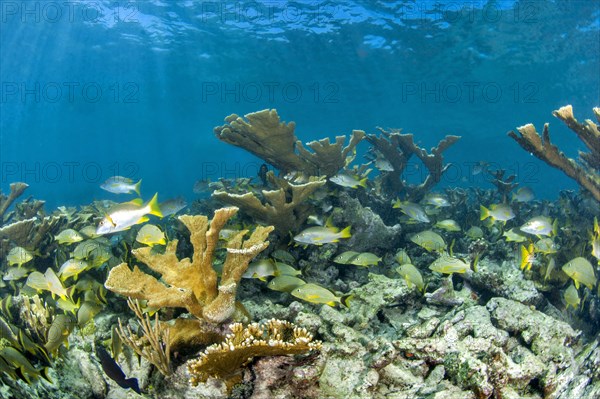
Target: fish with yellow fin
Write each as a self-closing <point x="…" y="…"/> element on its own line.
<point x="316" y="294"/>
<point x="497" y="212"/>
<point x="571" y="296"/>
<point x="527" y="256"/>
<point x="48" y="281"/>
<point x="150" y="235"/>
<point x="320" y="235"/>
<point x="122" y="216"/>
<point x="68" y="236"/>
<point x="59" y="332"/>
<point x="18" y="256"/>
<point x="581" y="271"/>
<point x="411" y="275"/>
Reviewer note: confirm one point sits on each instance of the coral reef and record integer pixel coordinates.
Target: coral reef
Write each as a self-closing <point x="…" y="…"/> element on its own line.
<point x="397" y="149"/>
<point x="586" y="171"/>
<point x="154" y="345"/>
<point x="16" y="190"/>
<point x="286" y="208"/>
<point x="192" y="284"/>
<point x="273" y="141"/>
<point x="273" y="338"/>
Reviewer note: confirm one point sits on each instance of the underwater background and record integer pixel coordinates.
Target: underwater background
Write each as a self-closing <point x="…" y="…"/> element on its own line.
<point x="95" y="89"/>
<point x="299" y="199"/>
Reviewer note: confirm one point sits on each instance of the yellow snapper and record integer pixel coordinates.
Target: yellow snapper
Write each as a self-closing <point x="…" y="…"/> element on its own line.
<point x="260" y="269"/>
<point x="344" y="257"/>
<point x="18" y="256"/>
<point x="172" y="206"/>
<point x="59" y="331"/>
<point x="283" y="269"/>
<point x="412" y="275"/>
<point x="16" y="273"/>
<point x="430" y="240"/>
<point x="121" y="185"/>
<point x="513" y="235"/>
<point x="448" y="225"/>
<point x="89" y="232"/>
<point x="285" y="283"/>
<point x="527" y="256"/>
<point x="365" y="259"/>
<point x="68" y="236"/>
<point x="581" y="271"/>
<point x="122" y="216"/>
<point x="150" y="235"/>
<point x="550" y="268"/>
<point x="546" y="246"/>
<point x="282" y="255"/>
<point x="87" y="311"/>
<point x="316" y="294"/>
<point x="67" y="305"/>
<point x="322" y="235"/>
<point x="571" y="296"/>
<point x="447" y="264"/>
<point x="475" y="232"/>
<point x="15" y="360"/>
<point x="501" y="212"/>
<point x="436" y="200"/>
<point x="72" y="267"/>
<point x="350" y="181"/>
<point x="48" y="281"/>
<point x="402" y="257"/>
<point x="523" y="194"/>
<point x="539" y="226"/>
<point x="412" y="210"/>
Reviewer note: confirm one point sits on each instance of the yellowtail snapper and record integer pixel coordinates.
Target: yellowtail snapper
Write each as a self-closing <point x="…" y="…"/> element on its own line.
<point x="121" y="185"/>
<point x="322" y="235"/>
<point x="412" y="210"/>
<point x="122" y="216"/>
<point x="501" y="212"/>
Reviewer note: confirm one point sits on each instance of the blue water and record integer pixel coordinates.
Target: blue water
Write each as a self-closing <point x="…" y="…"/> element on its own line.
<point x="93" y="89"/>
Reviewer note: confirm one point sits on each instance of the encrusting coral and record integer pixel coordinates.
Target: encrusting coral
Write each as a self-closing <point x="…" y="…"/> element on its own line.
<point x="274" y="338"/>
<point x="587" y="171"/>
<point x="397" y="149"/>
<point x="192" y="284"/>
<point x="273" y="141"/>
<point x="285" y="207"/>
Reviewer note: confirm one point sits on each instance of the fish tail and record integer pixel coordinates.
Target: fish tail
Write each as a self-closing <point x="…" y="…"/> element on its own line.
<point x="137" y="186"/>
<point x="554" y="227"/>
<point x="133" y="384"/>
<point x="329" y="221"/>
<point x="363" y="182"/>
<point x="525" y="254"/>
<point x="154" y="207"/>
<point x="485" y="213"/>
<point x="345" y="300"/>
<point x="45" y="374"/>
<point x="346" y="233"/>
